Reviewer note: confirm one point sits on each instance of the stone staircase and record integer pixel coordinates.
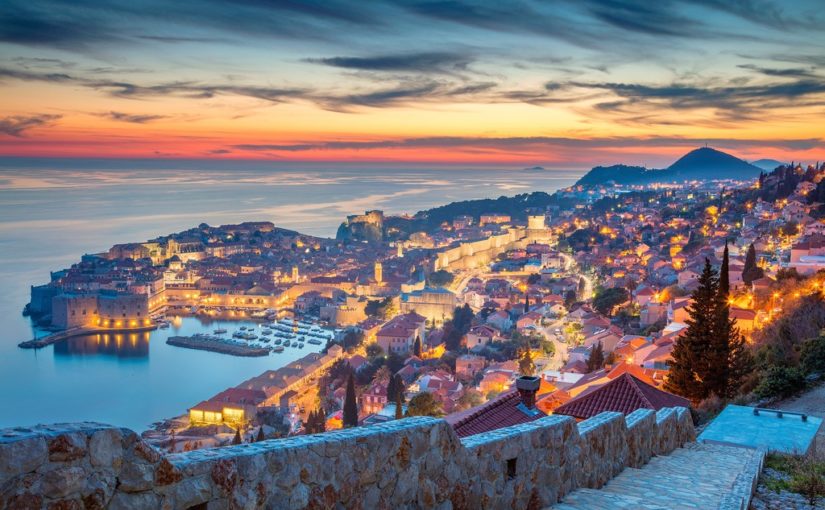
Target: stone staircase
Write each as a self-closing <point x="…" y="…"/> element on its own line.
<point x="696" y="477"/>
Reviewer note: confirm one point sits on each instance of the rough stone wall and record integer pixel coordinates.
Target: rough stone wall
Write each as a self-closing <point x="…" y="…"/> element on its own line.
<point x="641" y="432"/>
<point x="602" y="449"/>
<point x="410" y="463"/>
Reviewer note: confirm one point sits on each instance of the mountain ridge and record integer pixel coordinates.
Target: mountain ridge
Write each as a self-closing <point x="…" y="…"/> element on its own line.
<point x="703" y="163"/>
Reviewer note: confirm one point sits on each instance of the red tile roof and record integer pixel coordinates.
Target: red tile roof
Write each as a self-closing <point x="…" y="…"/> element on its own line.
<point x="503" y="411"/>
<point x="623" y="394"/>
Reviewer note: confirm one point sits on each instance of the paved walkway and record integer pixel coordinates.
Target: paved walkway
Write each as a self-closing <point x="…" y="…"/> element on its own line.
<point x="811" y="402"/>
<point x="696" y="477"/>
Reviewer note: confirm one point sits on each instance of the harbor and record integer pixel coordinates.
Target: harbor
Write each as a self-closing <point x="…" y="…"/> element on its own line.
<point x="259" y="340"/>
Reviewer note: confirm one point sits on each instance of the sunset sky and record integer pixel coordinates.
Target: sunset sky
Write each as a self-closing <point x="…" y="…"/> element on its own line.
<point x="559" y="84"/>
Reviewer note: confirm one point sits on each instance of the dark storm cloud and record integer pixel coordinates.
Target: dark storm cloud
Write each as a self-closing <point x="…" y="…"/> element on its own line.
<point x="131" y="118"/>
<point x="17" y="125"/>
<point x="415" y="62"/>
<point x="534" y="142"/>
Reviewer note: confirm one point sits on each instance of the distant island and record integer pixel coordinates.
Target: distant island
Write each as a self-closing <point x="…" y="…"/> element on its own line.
<point x="699" y="164"/>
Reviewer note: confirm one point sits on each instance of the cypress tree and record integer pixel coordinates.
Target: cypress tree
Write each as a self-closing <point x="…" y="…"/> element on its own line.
<point x="237" y="438"/>
<point x="261" y="436"/>
<point x="321" y="420"/>
<point x="717" y="353"/>
<point x="417" y="346"/>
<point x="596" y="359"/>
<point x="391" y="388"/>
<point x="526" y="302"/>
<point x="751" y="271"/>
<point x="688" y="367"/>
<point x="399" y="410"/>
<point x="350" y="406"/>
<point x="724" y="276"/>
<point x="399" y="388"/>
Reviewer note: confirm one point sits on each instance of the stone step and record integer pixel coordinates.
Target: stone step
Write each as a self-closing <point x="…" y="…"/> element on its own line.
<point x="696" y="477"/>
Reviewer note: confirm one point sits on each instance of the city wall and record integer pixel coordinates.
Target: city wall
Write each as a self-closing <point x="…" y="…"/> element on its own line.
<point x="410" y="463"/>
<point x="478" y="253"/>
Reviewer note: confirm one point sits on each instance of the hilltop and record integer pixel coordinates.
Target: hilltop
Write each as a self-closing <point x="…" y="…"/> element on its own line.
<point x="700" y="164"/>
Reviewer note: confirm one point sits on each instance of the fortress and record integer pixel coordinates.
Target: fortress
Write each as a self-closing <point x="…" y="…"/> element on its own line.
<point x="409" y="463"/>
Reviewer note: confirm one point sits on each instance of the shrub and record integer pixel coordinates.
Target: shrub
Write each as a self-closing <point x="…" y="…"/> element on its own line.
<point x="812" y="356"/>
<point x="780" y="382"/>
<point x="808" y="479"/>
<point x="708" y="409"/>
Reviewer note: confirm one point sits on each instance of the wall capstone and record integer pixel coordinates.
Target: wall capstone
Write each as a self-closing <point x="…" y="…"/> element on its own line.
<point x="410" y="463"/>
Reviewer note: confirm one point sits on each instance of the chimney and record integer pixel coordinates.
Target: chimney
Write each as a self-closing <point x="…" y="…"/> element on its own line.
<point x="527" y="387"/>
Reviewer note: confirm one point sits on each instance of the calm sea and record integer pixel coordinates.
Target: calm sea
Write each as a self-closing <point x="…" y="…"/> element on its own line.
<point x="53" y="212"/>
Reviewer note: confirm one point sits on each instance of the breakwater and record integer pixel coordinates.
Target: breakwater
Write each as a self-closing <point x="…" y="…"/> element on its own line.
<point x="217" y="345"/>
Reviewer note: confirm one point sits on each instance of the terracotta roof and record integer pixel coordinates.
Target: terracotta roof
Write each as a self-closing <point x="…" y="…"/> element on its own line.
<point x="624" y="394"/>
<point x="503" y="411"/>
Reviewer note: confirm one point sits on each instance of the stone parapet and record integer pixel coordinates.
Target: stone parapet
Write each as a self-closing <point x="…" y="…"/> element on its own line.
<point x="411" y="463"/>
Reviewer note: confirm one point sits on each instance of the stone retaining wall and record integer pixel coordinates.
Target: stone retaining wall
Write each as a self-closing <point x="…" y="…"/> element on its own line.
<point x="409" y="463"/>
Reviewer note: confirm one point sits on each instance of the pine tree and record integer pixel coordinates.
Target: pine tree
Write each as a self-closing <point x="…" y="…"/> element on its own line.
<point x="740" y="364"/>
<point x="261" y="436"/>
<point x="526" y="302"/>
<point x="417" y="346"/>
<point x="350" y="406"/>
<point x="237" y="438"/>
<point x="525" y="363"/>
<point x="688" y="367"/>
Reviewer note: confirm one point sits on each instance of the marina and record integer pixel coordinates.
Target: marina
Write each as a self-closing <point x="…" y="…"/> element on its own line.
<point x="273" y="337"/>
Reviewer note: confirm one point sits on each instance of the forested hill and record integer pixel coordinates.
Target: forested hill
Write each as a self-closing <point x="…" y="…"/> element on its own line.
<point x="699" y="164"/>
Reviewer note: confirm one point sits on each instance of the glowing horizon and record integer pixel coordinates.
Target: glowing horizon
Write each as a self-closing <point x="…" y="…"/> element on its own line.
<point x="581" y="84"/>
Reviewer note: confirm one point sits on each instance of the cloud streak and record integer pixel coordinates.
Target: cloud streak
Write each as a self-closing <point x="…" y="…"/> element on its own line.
<point x="131" y="118"/>
<point x="18" y="125"/>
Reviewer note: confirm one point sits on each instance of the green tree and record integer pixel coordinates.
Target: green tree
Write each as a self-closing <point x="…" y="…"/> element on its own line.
<point x="608" y="299"/>
<point x="425" y="404"/>
<point x="780" y="382"/>
<point x="470" y="398"/>
<point x="596" y="359"/>
<point x="260" y="437"/>
<point x="399" y="405"/>
<point x="350" y="405"/>
<point x="237" y="438"/>
<point x="812" y="356"/>
<point x="751" y="271"/>
<point x="687" y="368"/>
<point x="320" y="420"/>
<point x="417" y="346"/>
<point x="441" y="278"/>
<point x="724" y="276"/>
<point x="525" y="363"/>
